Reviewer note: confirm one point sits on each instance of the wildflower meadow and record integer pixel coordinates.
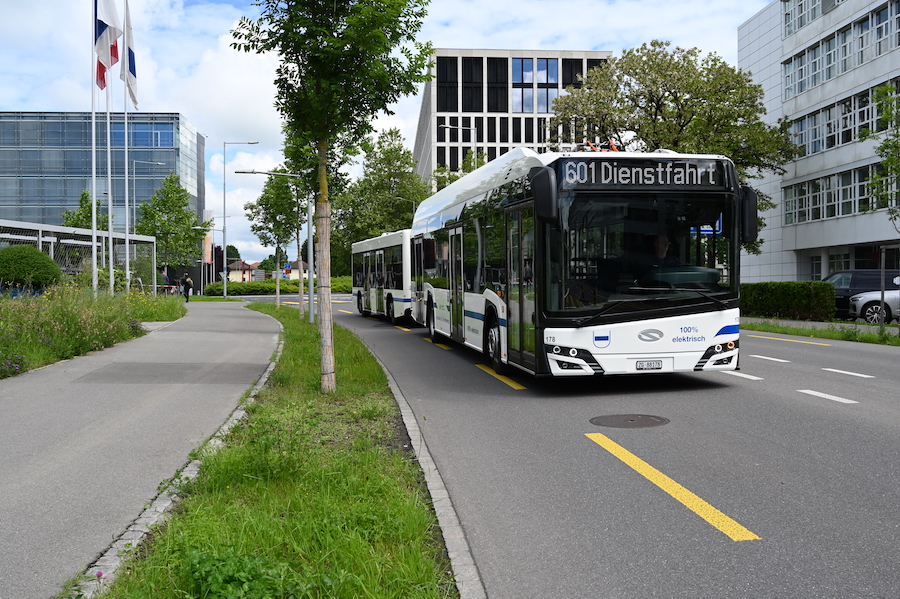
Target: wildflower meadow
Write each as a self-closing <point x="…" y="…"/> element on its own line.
<point x="66" y="321"/>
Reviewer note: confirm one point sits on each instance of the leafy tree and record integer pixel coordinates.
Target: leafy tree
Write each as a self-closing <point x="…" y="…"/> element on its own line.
<point x="383" y="199"/>
<point x="273" y="217"/>
<point x="233" y="254"/>
<point x="81" y="216"/>
<point x="168" y="217"/>
<point x="342" y="63"/>
<point x="652" y="98"/>
<point x="883" y="183"/>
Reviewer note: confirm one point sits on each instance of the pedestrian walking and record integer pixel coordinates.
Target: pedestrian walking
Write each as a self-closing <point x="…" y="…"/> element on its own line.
<point x="186" y="285"/>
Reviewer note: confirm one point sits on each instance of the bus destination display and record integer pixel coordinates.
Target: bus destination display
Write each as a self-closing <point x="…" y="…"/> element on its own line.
<point x="597" y="174"/>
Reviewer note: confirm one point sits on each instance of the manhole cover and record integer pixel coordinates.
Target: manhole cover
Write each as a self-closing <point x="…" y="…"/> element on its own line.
<point x="629" y="421"/>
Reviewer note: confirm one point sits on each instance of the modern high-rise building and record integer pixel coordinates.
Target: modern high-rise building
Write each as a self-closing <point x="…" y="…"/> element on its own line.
<point x="819" y="62"/>
<point x="45" y="162"/>
<point x="491" y="101"/>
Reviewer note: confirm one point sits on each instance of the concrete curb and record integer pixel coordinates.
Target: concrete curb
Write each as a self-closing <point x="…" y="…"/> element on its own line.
<point x="104" y="570"/>
<point x="465" y="570"/>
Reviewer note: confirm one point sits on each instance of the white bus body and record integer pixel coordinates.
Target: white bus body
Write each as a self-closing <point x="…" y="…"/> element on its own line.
<point x="544" y="262"/>
<point x="381" y="269"/>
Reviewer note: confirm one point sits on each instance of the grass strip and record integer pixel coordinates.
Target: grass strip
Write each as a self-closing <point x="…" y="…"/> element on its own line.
<point x="866" y="334"/>
<point x="311" y="496"/>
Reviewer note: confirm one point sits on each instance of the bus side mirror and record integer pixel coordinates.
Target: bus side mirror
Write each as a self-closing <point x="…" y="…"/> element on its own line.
<point x="543" y="188"/>
<point x="749" y="214"/>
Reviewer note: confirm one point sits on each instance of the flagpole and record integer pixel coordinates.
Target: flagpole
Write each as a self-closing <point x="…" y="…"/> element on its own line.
<point x="94" y="60"/>
<point x="125" y="114"/>
<point x="109" y="211"/>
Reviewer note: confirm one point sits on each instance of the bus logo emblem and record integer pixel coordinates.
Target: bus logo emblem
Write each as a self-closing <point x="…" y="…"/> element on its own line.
<point x="650" y="335"/>
<point x="601" y="339"/>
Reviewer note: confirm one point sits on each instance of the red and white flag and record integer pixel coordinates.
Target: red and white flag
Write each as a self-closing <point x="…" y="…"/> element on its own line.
<point x="107" y="31"/>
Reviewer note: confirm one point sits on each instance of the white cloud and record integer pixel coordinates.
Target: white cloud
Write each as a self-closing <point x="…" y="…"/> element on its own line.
<point x="186" y="64"/>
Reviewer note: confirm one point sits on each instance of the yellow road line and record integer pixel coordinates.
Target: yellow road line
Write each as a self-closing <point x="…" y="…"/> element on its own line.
<point x="500" y="377"/>
<point x="399" y="327"/>
<point x="345" y="311"/>
<point x="440" y="345"/>
<point x="719" y="520"/>
<point x="789" y="340"/>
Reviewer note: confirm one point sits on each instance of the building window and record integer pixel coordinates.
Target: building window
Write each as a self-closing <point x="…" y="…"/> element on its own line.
<point x="472" y="85"/>
<point x="548" y="71"/>
<point x="571" y="69"/>
<point x="522" y="70"/>
<point x="447" y="84"/>
<point x="799" y="13"/>
<point x="838" y="262"/>
<point x="497" y="84"/>
<point x="815" y="268"/>
<point x="522" y="99"/>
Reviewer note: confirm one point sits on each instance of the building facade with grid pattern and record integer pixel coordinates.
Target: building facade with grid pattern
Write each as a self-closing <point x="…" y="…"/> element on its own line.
<point x="45" y="162"/>
<point x="491" y="101"/>
<point x="819" y="62"/>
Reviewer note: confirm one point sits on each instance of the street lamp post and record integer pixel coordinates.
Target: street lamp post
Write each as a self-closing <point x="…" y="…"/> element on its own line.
<point x="210" y="278"/>
<point x="474" y="138"/>
<point x="225" y="210"/>
<point x="309" y="238"/>
<point x="133" y="218"/>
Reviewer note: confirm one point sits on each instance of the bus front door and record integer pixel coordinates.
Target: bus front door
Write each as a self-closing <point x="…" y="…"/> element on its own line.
<point x="520" y="297"/>
<point x="457" y="286"/>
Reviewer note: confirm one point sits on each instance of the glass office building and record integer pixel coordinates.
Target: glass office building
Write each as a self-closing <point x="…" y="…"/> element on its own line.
<point x="45" y="162"/>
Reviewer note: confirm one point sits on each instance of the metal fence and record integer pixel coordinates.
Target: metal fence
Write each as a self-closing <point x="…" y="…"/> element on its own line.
<point x="70" y="248"/>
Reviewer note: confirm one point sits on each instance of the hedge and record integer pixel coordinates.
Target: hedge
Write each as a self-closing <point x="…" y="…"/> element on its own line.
<point x="267" y="287"/>
<point x="792" y="300"/>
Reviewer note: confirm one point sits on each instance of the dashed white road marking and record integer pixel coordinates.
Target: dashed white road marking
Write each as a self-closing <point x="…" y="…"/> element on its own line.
<point x="826" y="396"/>
<point x="742" y="375"/>
<point x="860" y="375"/>
<point x="769" y="358"/>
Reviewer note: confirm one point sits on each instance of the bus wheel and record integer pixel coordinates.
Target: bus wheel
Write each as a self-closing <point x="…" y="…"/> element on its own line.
<point x="492" y="346"/>
<point x="389" y="309"/>
<point x="429" y="319"/>
<point x="359" y="304"/>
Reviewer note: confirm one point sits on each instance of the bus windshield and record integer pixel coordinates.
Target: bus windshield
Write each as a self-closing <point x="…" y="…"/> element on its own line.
<point x="620" y="252"/>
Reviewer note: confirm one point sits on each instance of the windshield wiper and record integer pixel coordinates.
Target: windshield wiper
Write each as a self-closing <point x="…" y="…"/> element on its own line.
<point x="704" y="294"/>
<point x="583" y="322"/>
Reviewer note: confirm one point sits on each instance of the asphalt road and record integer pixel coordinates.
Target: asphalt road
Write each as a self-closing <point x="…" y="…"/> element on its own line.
<point x="762" y="483"/>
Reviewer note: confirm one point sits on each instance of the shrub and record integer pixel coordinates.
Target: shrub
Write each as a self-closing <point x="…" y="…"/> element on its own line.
<point x="27" y="266"/>
<point x="795" y="300"/>
<point x="267" y="287"/>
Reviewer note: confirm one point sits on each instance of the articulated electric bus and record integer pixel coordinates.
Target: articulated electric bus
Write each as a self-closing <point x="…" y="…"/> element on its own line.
<point x="567" y="264"/>
<point x="381" y="275"/>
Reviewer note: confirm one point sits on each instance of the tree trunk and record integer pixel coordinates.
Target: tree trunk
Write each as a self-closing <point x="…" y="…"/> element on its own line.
<point x="323" y="228"/>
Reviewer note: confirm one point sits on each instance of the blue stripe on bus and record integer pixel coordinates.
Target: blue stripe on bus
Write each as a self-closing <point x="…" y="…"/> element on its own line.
<point x="475" y="315"/>
<point x="732" y="329"/>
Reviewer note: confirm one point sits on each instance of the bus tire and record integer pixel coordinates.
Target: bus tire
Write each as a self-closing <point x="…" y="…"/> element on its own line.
<point x="359" y="304"/>
<point x="389" y="309"/>
<point x="492" y="345"/>
<point x="429" y="320"/>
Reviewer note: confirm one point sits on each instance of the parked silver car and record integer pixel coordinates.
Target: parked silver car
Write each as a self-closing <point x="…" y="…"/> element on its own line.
<point x="867" y="305"/>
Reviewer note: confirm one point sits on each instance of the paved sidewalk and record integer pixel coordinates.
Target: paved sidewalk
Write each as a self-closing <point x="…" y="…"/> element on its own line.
<point x="85" y="443"/>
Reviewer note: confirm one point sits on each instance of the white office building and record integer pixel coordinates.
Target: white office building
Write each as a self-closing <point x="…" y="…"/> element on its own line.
<point x="491" y="101"/>
<point x="819" y="62"/>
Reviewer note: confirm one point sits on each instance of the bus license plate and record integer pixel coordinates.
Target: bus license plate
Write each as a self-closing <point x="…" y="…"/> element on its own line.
<point x="649" y="364"/>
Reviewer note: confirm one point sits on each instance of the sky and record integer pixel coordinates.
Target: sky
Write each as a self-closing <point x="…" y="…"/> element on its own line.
<point x="185" y="64"/>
